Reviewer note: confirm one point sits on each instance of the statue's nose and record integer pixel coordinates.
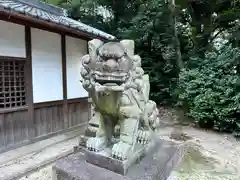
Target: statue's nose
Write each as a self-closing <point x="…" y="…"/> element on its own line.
<point x="110" y="65"/>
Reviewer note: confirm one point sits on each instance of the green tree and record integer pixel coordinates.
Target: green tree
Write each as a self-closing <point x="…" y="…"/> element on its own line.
<point x="153" y="30"/>
<point x="211" y="91"/>
<point x="151" y="23"/>
<point x="209" y="19"/>
<point x="179" y="45"/>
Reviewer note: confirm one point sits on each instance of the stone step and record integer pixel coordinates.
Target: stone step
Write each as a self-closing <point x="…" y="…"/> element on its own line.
<point x="158" y="163"/>
<point x="24" y="150"/>
<point x="25" y="160"/>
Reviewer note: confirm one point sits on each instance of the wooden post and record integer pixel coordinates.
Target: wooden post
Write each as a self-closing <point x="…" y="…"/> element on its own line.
<point x="90" y="106"/>
<point x="29" y="85"/>
<point x="64" y="79"/>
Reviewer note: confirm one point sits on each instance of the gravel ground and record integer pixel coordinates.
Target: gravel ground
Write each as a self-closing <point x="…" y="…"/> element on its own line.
<point x="209" y="156"/>
<point x="42" y="174"/>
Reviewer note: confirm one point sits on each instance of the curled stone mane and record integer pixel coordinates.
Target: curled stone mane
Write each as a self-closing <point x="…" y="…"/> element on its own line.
<point x="115" y="80"/>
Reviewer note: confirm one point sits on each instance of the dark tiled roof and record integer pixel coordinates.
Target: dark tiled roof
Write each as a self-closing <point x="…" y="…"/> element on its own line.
<point x="37" y="12"/>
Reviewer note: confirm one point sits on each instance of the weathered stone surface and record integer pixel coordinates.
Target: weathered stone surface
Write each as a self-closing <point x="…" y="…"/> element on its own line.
<point x="119" y="89"/>
<point x="156" y="165"/>
<point x="104" y="160"/>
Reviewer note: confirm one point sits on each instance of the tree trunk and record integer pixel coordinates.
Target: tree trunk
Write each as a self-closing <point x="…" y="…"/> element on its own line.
<point x="177" y="42"/>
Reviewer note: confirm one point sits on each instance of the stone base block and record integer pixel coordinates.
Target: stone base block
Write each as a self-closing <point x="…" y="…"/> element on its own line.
<point x="103" y="159"/>
<point x="156" y="165"/>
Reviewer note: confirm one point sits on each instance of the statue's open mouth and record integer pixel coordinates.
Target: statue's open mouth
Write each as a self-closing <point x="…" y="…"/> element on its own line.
<point x="110" y="79"/>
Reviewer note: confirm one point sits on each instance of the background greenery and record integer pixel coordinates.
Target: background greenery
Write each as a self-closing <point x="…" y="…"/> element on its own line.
<point x="189" y="48"/>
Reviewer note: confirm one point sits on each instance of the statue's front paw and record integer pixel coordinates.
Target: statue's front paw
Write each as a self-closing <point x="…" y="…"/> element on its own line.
<point x="121" y="151"/>
<point x="143" y="137"/>
<point x="96" y="144"/>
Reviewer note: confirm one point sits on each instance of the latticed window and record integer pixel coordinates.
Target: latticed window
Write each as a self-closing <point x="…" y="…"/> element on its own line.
<point x="12" y="84"/>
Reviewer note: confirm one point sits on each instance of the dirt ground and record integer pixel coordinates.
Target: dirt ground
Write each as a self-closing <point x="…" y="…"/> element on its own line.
<point x="209" y="156"/>
<point x="42" y="174"/>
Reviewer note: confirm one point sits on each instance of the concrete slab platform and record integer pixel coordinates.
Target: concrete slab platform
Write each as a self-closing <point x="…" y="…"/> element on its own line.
<point x="156" y="165"/>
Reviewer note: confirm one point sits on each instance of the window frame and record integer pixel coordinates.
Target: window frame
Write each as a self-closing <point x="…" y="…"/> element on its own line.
<point x="22" y="107"/>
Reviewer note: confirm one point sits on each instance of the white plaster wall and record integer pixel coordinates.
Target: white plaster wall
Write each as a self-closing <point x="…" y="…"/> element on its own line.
<point x="12" y="39"/>
<point x="75" y="49"/>
<point x="46" y="66"/>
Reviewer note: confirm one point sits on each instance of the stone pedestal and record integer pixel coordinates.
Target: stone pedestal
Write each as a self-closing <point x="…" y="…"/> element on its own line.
<point x="105" y="160"/>
<point x="157" y="164"/>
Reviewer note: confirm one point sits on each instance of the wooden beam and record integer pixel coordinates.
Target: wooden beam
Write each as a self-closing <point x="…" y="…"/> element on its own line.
<point x="48" y="104"/>
<point x="77" y="100"/>
<point x="64" y="80"/>
<point x="29" y="85"/>
<point x="10" y="58"/>
<point x="59" y="102"/>
<point x="10" y="110"/>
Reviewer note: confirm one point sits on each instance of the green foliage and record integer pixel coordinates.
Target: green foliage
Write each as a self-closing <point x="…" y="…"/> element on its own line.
<point x="211" y="92"/>
<point x="209" y="18"/>
<point x="152" y="28"/>
<point x="150" y="23"/>
<point x="174" y="43"/>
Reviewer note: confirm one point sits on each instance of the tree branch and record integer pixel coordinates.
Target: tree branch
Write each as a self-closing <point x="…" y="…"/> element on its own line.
<point x="219" y="32"/>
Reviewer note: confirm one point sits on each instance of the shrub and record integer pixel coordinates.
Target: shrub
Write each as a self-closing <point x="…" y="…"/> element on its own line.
<point x="211" y="92"/>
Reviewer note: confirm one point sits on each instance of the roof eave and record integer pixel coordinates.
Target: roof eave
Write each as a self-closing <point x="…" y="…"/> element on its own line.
<point x="25" y="19"/>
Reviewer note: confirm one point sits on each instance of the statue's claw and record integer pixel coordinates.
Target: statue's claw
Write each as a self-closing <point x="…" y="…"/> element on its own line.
<point x="143" y="137"/>
<point x="96" y="144"/>
<point x="121" y="151"/>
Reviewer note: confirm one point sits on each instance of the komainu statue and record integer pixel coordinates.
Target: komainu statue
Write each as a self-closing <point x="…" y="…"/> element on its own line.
<point x="119" y="89"/>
